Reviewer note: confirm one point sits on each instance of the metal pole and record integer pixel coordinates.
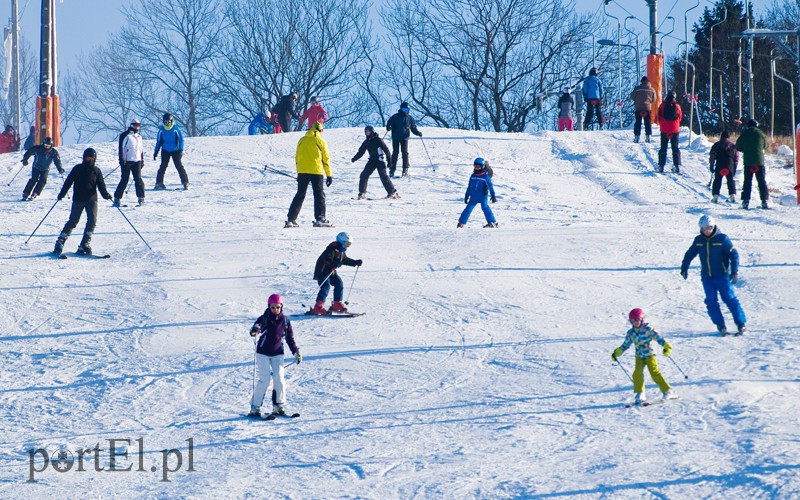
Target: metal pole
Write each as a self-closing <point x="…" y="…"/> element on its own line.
<point x="750" y="63"/>
<point x="619" y="65"/>
<point x="794" y="134"/>
<point x="134" y="228"/>
<point x="772" y="93"/>
<point x="711" y="59"/>
<point x="739" y="62"/>
<point x="686" y="40"/>
<point x="15" y="87"/>
<point x="652" y="4"/>
<point x="721" y="103"/>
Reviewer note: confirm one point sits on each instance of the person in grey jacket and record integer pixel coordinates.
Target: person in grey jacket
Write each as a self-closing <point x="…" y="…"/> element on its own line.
<point x="643" y="97"/>
<point x="44" y="155"/>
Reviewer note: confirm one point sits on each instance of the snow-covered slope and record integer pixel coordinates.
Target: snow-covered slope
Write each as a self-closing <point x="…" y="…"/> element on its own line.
<point x="482" y="368"/>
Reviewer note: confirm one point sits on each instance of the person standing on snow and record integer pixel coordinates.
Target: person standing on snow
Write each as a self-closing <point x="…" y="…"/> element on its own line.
<point x="131" y="161"/>
<point x="88" y="179"/>
<point x="593" y="95"/>
<point x="268" y="333"/>
<point x="751" y="143"/>
<point x="378" y="151"/>
<point x="641" y="335"/>
<point x="643" y="98"/>
<point x="401" y="125"/>
<point x="259" y="125"/>
<point x="723" y="159"/>
<point x="31" y="140"/>
<point x="44" y="155"/>
<point x="313" y="164"/>
<point x="332" y="258"/>
<point x="170" y="141"/>
<point x="719" y="263"/>
<point x="669" y="121"/>
<point x="315" y="113"/>
<point x="565" y="105"/>
<point x="479" y="191"/>
<point x="284" y="111"/>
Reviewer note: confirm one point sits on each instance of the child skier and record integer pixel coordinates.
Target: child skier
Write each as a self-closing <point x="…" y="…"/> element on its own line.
<point x="479" y="190"/>
<point x="268" y="333"/>
<point x="332" y="258"/>
<point x="642" y="335"/>
<point x="378" y="151"/>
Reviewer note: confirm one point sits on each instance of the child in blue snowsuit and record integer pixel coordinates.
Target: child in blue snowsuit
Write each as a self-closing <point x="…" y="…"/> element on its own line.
<point x="479" y="190"/>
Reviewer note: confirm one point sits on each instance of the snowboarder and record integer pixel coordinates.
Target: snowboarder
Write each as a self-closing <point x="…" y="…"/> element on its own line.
<point x="284" y="111"/>
<point x="479" y="190"/>
<point x="315" y="113"/>
<point x="131" y="161"/>
<point x="643" y="97"/>
<point x="401" y="125"/>
<point x="641" y="335"/>
<point x="332" y="258"/>
<point x="669" y="122"/>
<point x="44" y="155"/>
<point x="88" y="180"/>
<point x="268" y="333"/>
<point x="313" y="164"/>
<point x="565" y="105"/>
<point x="260" y="125"/>
<point x="752" y="143"/>
<point x="593" y="95"/>
<point x="719" y="263"/>
<point x="170" y="141"/>
<point x="723" y="159"/>
<point x="378" y="151"/>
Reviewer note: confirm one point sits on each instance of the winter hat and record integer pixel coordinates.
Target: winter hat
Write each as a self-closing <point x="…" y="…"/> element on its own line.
<point x="404" y="107"/>
<point x="89" y="153"/>
<point x="671" y="95"/>
<point x="724" y="135"/>
<point x="369" y="129"/>
<point x="706" y="221"/>
<point x="752" y="123"/>
<point x="644" y="79"/>
<point x="593" y="72"/>
<point x="167" y="118"/>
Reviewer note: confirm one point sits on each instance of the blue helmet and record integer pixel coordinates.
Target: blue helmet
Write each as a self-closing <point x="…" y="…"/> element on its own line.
<point x="479" y="161"/>
<point x="343" y="238"/>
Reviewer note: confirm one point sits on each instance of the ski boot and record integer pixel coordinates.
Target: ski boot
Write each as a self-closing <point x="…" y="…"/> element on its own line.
<point x="362" y="196"/>
<point x="319" y="308"/>
<point x="647" y="139"/>
<point x="732" y="199"/>
<point x="255" y="412"/>
<point x="338" y="307"/>
<point x="322" y="223"/>
<point x="159" y="186"/>
<point x="84" y="250"/>
<point x="59" y="248"/>
<point x="746" y="204"/>
<point x="715" y="199"/>
<point x="764" y="205"/>
<point x="279" y="410"/>
<point x="722" y="330"/>
<point x="676" y="169"/>
<point x="405" y="172"/>
<point x="639" y="398"/>
<point x="742" y="330"/>
<point x="141" y="202"/>
<point x="635" y="138"/>
<point x="669" y="394"/>
<point x="33" y="197"/>
<point x="661" y="169"/>
<point x="460" y="225"/>
<point x="290" y="223"/>
<point x="117" y="202"/>
<point x="491" y="224"/>
<point x="393" y="196"/>
<point x="185" y="186"/>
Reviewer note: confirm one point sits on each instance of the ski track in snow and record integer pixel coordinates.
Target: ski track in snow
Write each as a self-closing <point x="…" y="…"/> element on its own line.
<point x="482" y="368"/>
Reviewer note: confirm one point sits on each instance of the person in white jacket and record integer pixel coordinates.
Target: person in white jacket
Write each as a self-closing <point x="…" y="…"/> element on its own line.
<point x="131" y="161"/>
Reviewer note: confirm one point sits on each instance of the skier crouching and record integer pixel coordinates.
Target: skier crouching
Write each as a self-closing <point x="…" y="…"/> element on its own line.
<point x="641" y="335"/>
<point x="268" y="333"/>
<point x="332" y="258"/>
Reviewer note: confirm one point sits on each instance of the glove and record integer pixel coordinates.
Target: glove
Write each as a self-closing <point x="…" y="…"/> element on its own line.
<point x="352" y="160"/>
<point x="494" y="200"/>
<point x="254" y="332"/>
<point x="24" y="162"/>
<point x="667" y="350"/>
<point x="155" y="155"/>
<point x="734" y="277"/>
<point x="60" y="197"/>
<point x="298" y="357"/>
<point x="329" y="181"/>
<point x="107" y="196"/>
<point x="359" y="262"/>
<point x="685" y="274"/>
<point x="466" y="199"/>
<point x="617" y="353"/>
<point x="419" y="134"/>
<point x="61" y="171"/>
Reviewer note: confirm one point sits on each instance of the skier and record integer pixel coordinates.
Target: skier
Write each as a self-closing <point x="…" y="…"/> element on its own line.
<point x="752" y="143"/>
<point x="31" y="140"/>
<point x="43" y="156"/>
<point x="313" y="162"/>
<point x="643" y="97"/>
<point x="641" y="335"/>
<point x="284" y="111"/>
<point x="479" y="190"/>
<point x="401" y="125"/>
<point x="332" y="258"/>
<point x="170" y="141"/>
<point x="315" y="113"/>
<point x="565" y="105"/>
<point x="723" y="160"/>
<point x="669" y="122"/>
<point x="378" y="151"/>
<point x="88" y="179"/>
<point x="259" y="125"/>
<point x="593" y="94"/>
<point x="131" y="161"/>
<point x="719" y="263"/>
<point x="268" y="333"/>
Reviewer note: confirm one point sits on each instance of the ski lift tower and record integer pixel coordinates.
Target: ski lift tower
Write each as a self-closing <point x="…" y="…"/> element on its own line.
<point x="47" y="105"/>
<point x="779" y="37"/>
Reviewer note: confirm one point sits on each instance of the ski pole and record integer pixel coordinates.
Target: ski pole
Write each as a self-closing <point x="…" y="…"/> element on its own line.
<point x="679" y="368"/>
<point x="109" y="172"/>
<point x="626" y="371"/>
<point x="347" y="302"/>
<point x="255" y="351"/>
<point x="15" y="175"/>
<point x="320" y="285"/>
<point x="40" y="223"/>
<point x="277" y="171"/>
<point x="134" y="227"/>
<point x="426" y="152"/>
<point x="62" y="182"/>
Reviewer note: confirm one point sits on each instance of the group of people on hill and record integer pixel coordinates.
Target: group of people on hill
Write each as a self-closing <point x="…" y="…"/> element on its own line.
<point x="279" y="119"/>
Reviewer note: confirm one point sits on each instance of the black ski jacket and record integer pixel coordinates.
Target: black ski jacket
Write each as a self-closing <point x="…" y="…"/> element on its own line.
<point x="331" y="259"/>
<point x="43" y="157"/>
<point x="378" y="150"/>
<point x="400" y="125"/>
<point x="88" y="179"/>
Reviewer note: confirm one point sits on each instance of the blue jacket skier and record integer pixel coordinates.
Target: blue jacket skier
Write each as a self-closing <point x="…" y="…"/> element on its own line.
<point x="170" y="141"/>
<point x="479" y="191"/>
<point x="259" y="125"/>
<point x="719" y="262"/>
<point x="593" y="95"/>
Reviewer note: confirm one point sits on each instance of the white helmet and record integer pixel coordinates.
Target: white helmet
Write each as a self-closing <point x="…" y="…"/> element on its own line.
<point x="706" y="221"/>
<point x="343" y="238"/>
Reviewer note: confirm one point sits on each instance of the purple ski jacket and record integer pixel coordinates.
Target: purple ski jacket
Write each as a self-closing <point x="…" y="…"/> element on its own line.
<point x="272" y="329"/>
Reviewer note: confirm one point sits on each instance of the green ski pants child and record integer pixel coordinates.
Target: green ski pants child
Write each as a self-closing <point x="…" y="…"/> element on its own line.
<point x="655" y="374"/>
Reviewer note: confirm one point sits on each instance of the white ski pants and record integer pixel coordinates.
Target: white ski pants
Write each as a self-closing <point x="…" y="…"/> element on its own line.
<point x="266" y="366"/>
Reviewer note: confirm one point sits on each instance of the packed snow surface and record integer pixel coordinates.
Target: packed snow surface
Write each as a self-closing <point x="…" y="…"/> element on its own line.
<point x="481" y="370"/>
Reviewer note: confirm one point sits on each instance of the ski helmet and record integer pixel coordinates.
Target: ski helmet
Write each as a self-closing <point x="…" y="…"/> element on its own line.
<point x="369" y="129"/>
<point x="479" y="161"/>
<point x="706" y="221"/>
<point x="275" y="299"/>
<point x="318" y="126"/>
<point x="636" y="314"/>
<point x="135" y="121"/>
<point x="344" y="238"/>
<point x="167" y="118"/>
<point x="89" y="153"/>
<point x="593" y="72"/>
<point x="48" y="141"/>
